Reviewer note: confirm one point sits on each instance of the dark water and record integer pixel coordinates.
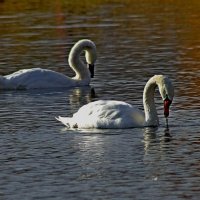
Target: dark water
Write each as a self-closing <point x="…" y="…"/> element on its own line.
<point x="40" y="159"/>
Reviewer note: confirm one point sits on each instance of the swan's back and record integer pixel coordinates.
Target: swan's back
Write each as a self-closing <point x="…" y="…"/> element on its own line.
<point x="105" y="114"/>
<point x="37" y="78"/>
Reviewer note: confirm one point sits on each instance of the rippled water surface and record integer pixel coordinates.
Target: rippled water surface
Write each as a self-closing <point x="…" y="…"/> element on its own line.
<point x="41" y="159"/>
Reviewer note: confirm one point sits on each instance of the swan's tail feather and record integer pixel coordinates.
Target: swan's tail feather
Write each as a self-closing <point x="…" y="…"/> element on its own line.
<point x="64" y="120"/>
<point x="67" y="121"/>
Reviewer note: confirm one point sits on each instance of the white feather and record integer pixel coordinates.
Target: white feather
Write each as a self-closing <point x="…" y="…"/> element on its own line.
<point x="118" y="114"/>
<point x="38" y="78"/>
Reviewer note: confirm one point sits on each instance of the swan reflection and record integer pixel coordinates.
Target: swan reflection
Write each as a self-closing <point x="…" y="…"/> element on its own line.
<point x="152" y="140"/>
<point x="80" y="96"/>
<point x="156" y="151"/>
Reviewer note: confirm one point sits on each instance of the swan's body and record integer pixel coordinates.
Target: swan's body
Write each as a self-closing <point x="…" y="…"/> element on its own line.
<point x="118" y="114"/>
<point x="38" y="78"/>
<point x="105" y="114"/>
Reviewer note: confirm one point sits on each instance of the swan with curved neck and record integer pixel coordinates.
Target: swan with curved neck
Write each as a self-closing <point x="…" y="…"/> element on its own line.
<point x="118" y="114"/>
<point x="38" y="78"/>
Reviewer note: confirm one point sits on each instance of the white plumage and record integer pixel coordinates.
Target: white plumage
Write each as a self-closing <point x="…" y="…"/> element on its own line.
<point x="38" y="78"/>
<point x="118" y="114"/>
<point x="105" y="114"/>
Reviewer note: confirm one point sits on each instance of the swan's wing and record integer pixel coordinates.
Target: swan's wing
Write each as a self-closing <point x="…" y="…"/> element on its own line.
<point x="38" y="78"/>
<point x="106" y="114"/>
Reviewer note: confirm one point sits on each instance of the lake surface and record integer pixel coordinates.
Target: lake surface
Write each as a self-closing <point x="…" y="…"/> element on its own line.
<point x="41" y="159"/>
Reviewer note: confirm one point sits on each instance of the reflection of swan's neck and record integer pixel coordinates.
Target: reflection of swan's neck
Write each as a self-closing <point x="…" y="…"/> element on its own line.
<point x="80" y="68"/>
<point x="151" y="117"/>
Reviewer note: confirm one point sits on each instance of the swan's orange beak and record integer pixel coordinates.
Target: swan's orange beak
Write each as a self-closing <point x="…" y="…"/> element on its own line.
<point x="167" y="103"/>
<point x="91" y="69"/>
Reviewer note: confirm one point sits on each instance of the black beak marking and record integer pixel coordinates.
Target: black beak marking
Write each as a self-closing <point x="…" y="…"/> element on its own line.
<point x="91" y="69"/>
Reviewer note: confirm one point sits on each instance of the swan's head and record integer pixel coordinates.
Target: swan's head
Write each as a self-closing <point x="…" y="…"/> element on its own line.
<point x="166" y="91"/>
<point x="90" y="56"/>
<point x="83" y="46"/>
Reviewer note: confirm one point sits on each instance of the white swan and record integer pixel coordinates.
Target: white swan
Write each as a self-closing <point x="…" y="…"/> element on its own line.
<point x="44" y="78"/>
<point x="118" y="114"/>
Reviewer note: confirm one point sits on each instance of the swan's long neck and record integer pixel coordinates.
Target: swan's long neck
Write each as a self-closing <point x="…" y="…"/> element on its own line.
<point x="80" y="68"/>
<point x="151" y="117"/>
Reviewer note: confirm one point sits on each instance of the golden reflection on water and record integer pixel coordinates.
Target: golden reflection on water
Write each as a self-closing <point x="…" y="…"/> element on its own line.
<point x="27" y="28"/>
